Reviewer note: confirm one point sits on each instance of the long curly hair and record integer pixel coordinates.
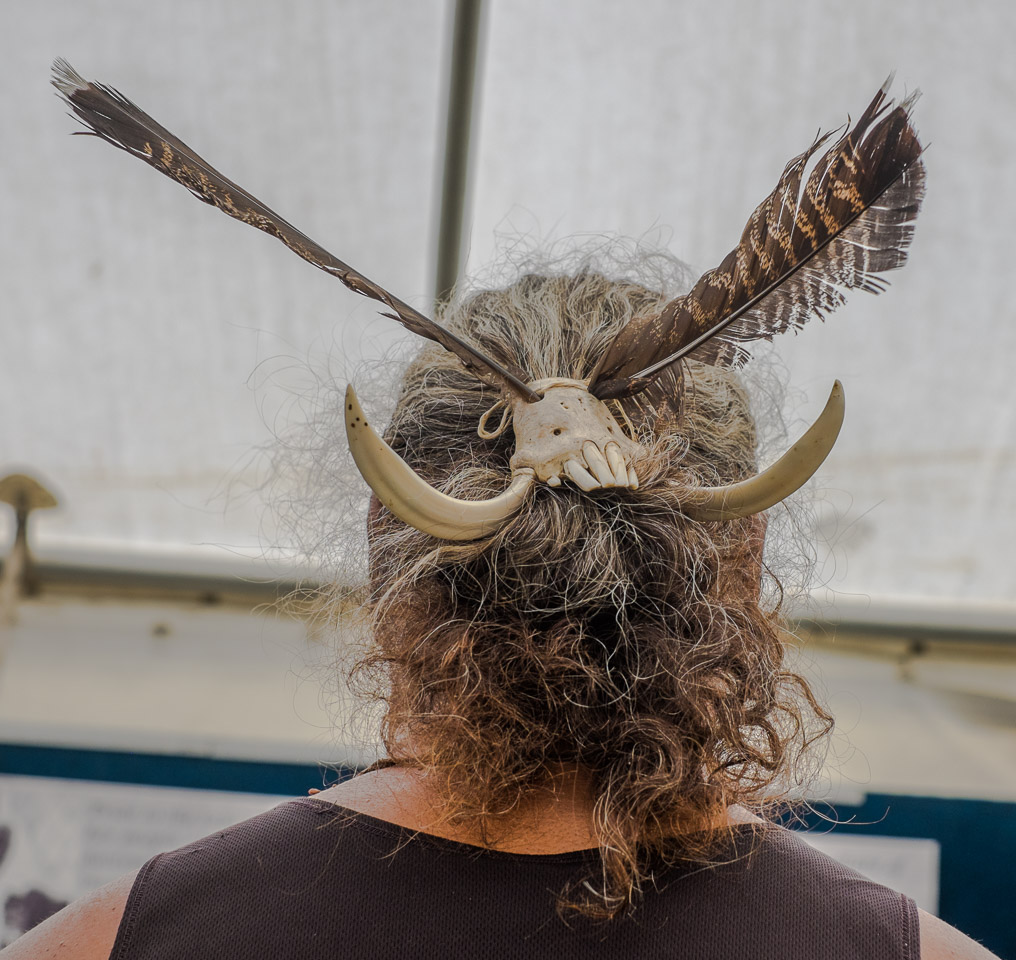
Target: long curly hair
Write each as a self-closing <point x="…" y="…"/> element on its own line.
<point x="604" y="630"/>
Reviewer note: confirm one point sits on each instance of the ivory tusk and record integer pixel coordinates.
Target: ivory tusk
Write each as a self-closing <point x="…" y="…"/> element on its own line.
<point x="794" y="469"/>
<point x="416" y="502"/>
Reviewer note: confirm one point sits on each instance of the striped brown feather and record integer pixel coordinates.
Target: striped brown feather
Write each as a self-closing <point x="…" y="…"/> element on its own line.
<point x="108" y="114"/>
<point x="800" y="250"/>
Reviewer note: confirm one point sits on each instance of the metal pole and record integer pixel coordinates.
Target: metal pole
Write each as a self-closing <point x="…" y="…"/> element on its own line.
<point x="462" y="65"/>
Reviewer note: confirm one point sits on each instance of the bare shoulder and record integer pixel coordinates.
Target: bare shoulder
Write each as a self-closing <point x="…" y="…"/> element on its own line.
<point x="939" y="941"/>
<point x="83" y="930"/>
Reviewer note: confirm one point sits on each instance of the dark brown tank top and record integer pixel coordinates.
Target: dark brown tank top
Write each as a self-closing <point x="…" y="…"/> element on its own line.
<point x="310" y="880"/>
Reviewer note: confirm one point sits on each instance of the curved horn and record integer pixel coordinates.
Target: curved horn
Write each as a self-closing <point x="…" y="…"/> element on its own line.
<point x="416" y="502"/>
<point x="789" y="473"/>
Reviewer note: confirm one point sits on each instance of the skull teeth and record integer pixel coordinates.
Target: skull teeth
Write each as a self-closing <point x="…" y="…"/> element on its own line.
<point x="580" y="476"/>
<point x="616" y="460"/>
<point x="597" y="464"/>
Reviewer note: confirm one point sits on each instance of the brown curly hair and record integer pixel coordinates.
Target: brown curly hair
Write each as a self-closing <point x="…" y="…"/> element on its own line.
<point x="606" y="630"/>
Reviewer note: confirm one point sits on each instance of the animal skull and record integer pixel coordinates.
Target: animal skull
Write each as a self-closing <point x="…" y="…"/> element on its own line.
<point x="571" y="434"/>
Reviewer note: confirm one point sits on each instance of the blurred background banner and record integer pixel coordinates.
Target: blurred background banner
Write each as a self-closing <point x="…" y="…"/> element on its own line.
<point x="52" y="852"/>
<point x="151" y="348"/>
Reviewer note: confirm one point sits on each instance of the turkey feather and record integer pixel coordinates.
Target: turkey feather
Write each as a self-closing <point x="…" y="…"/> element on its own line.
<point x="807" y="243"/>
<point x="108" y="114"/>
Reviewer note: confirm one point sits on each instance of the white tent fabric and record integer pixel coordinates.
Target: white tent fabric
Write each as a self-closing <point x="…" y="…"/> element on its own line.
<point x="134" y="320"/>
<point x="609" y="117"/>
<point x="148" y="341"/>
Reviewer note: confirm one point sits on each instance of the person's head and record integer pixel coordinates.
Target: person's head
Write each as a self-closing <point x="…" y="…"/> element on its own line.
<point x="604" y="630"/>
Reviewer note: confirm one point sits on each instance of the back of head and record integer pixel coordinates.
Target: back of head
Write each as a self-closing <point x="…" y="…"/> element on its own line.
<point x="607" y="631"/>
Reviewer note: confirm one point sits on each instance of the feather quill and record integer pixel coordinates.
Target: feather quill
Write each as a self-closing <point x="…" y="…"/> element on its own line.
<point x="802" y="248"/>
<point x="108" y="114"/>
